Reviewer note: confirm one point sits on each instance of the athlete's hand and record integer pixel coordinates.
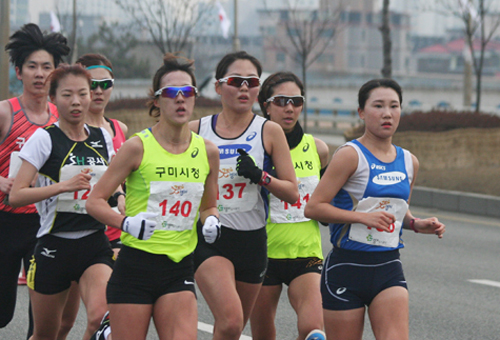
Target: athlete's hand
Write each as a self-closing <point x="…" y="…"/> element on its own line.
<point x="380" y="220"/>
<point x="430" y="226"/>
<point x="139" y="226"/>
<point x="247" y="168"/>
<point x="211" y="229"/>
<point x="121" y="205"/>
<point x="6" y="184"/>
<point x="77" y="182"/>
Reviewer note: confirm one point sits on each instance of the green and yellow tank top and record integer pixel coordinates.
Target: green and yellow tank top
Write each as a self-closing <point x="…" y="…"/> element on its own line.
<point x="290" y="234"/>
<point x="171" y="186"/>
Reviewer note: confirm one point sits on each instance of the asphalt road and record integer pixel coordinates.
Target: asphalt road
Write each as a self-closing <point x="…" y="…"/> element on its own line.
<point x="454" y="286"/>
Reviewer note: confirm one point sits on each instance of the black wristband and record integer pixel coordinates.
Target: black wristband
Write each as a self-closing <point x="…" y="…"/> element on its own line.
<point x="118" y="194"/>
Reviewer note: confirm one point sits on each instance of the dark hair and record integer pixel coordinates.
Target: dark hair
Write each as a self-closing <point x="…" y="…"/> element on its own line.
<point x="230" y="58"/>
<point x="64" y="70"/>
<point x="92" y="59"/>
<point x="171" y="63"/>
<point x="364" y="91"/>
<point x="29" y="39"/>
<point x="275" y="79"/>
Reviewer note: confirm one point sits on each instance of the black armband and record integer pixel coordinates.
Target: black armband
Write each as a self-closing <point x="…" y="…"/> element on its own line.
<point x="113" y="200"/>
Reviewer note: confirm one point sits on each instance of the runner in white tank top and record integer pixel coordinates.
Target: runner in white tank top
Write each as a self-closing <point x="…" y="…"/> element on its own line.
<point x="230" y="272"/>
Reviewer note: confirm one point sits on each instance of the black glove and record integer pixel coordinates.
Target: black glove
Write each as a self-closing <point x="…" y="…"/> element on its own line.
<point x="246" y="167"/>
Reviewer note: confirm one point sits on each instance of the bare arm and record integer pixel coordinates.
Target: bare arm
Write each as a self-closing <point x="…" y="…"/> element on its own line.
<point x="429" y="225"/>
<point x="126" y="160"/>
<point x="343" y="165"/>
<point x="284" y="187"/>
<point x="5" y="122"/>
<point x="22" y="194"/>
<point x="322" y="152"/>
<point x="208" y="205"/>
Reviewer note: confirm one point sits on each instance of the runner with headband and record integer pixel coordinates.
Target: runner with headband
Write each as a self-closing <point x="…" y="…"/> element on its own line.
<point x="294" y="250"/>
<point x="230" y="271"/>
<point x="364" y="195"/>
<point x="69" y="157"/>
<point x="101" y="71"/>
<point x="171" y="179"/>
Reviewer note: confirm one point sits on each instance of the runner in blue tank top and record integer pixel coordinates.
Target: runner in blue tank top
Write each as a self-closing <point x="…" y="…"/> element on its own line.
<point x="364" y="195"/>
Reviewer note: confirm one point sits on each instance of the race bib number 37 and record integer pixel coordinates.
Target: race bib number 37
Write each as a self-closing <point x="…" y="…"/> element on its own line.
<point x="236" y="194"/>
<point x="361" y="233"/>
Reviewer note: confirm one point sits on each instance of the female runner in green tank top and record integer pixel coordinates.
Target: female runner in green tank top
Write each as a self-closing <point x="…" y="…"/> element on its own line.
<point x="294" y="242"/>
<point x="171" y="178"/>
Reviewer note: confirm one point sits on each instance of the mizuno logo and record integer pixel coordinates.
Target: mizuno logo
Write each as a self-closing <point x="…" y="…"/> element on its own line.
<point x="48" y="253"/>
<point x="96" y="144"/>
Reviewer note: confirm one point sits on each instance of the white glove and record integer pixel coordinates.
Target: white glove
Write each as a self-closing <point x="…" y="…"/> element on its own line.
<point x="211" y="229"/>
<point x="139" y="226"/>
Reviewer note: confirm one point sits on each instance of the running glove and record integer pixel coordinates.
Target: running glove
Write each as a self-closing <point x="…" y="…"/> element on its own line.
<point x="211" y="229"/>
<point x="246" y="167"/>
<point x="139" y="226"/>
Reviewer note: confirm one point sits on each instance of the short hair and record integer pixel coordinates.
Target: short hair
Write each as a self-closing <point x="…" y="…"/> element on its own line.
<point x="171" y="63"/>
<point x="93" y="59"/>
<point x="275" y="79"/>
<point x="64" y="70"/>
<point x="230" y="58"/>
<point x="364" y="91"/>
<point x="29" y="39"/>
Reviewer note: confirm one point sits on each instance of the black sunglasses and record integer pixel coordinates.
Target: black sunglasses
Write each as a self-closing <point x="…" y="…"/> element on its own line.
<point x="103" y="83"/>
<point x="285" y="100"/>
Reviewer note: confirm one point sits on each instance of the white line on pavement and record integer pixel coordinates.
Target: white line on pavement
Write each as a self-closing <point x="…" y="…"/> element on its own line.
<point x="205" y="327"/>
<point x="486" y="282"/>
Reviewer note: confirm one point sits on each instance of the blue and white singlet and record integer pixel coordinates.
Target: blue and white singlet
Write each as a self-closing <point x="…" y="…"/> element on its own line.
<point x="374" y="186"/>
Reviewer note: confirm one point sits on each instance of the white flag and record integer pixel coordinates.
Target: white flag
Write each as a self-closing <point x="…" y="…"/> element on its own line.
<point x="55" y="26"/>
<point x="225" y="23"/>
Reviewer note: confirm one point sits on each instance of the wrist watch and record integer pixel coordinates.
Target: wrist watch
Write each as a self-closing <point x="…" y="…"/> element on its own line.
<point x="266" y="178"/>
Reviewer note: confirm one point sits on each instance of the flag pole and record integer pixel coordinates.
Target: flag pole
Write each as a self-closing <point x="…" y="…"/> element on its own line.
<point x="236" y="40"/>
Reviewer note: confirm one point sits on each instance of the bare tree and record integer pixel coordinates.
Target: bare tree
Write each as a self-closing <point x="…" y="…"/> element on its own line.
<point x="385" y="29"/>
<point x="169" y="23"/>
<point x="480" y="21"/>
<point x="309" y="32"/>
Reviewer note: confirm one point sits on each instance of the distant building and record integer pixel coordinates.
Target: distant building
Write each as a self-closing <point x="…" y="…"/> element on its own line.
<point x="19" y="14"/>
<point x="449" y="57"/>
<point x="86" y="24"/>
<point x="356" y="48"/>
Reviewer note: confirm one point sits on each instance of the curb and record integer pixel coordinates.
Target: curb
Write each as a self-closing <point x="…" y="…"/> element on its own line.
<point x="456" y="201"/>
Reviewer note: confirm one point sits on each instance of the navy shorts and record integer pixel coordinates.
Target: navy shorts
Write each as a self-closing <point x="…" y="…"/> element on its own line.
<point x="352" y="279"/>
<point x="247" y="250"/>
<point x="281" y="271"/>
<point x="140" y="277"/>
<point x="58" y="261"/>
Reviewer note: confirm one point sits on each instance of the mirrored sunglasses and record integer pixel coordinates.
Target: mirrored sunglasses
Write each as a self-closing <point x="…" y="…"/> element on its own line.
<point x="174" y="91"/>
<point x="240" y="81"/>
<point x="103" y="83"/>
<point x="285" y="100"/>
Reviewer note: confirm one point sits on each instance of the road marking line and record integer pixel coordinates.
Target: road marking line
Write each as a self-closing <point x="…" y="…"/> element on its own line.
<point x="205" y="327"/>
<point x="486" y="282"/>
